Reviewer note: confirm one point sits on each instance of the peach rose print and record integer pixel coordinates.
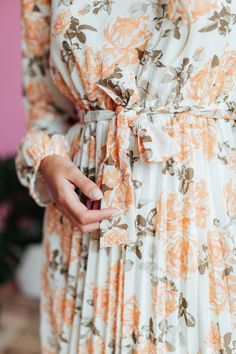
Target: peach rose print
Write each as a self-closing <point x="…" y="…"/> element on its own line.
<point x="231" y="282"/>
<point x="36" y="35"/>
<point x="164" y="300"/>
<point x="75" y="145"/>
<point x="232" y="159"/>
<point x="28" y="5"/>
<point x="150" y="348"/>
<point x="115" y="236"/>
<point x="196" y="8"/>
<point x="127" y="33"/>
<point x="111" y="183"/>
<point x="209" y="138"/>
<point x="177" y="212"/>
<point x="63" y="87"/>
<point x="95" y="344"/>
<point x="218" y="297"/>
<point x="182" y="257"/>
<point x="214" y="339"/>
<point x="111" y="178"/>
<point x="178" y="127"/>
<point x="116" y="276"/>
<point x="42" y="142"/>
<point x="117" y="190"/>
<point x="104" y="300"/>
<point x="63" y="306"/>
<point x="204" y="136"/>
<point x="170" y="215"/>
<point x="193" y="133"/>
<point x="38" y="111"/>
<point x="230" y="198"/>
<point x="131" y="316"/>
<point x="123" y="198"/>
<point x="212" y="80"/>
<point x="45" y="285"/>
<point x="92" y="148"/>
<point x="59" y="224"/>
<point x="37" y="90"/>
<point x="220" y="254"/>
<point x="199" y="195"/>
<point x="62" y="23"/>
<point x="92" y="68"/>
<point x="159" y="347"/>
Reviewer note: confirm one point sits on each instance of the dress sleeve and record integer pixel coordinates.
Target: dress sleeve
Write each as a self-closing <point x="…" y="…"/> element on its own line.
<point x="48" y="112"/>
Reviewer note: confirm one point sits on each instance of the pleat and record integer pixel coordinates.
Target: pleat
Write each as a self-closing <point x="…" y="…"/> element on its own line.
<point x="224" y="240"/>
<point x="166" y="292"/>
<point x="74" y="267"/>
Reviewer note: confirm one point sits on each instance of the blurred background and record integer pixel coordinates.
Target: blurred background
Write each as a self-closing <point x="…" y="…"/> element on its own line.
<point x="20" y="217"/>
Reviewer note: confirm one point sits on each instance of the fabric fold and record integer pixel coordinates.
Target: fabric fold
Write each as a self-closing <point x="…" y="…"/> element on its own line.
<point x="154" y="145"/>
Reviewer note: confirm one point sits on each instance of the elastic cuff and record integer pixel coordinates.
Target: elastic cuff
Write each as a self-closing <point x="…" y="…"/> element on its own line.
<point x="32" y="150"/>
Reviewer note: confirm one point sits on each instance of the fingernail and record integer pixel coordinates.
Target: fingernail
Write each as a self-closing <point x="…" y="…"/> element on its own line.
<point x="96" y="193"/>
<point x="116" y="213"/>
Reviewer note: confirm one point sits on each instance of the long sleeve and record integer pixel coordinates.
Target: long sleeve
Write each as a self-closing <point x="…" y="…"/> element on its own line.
<point x="47" y="111"/>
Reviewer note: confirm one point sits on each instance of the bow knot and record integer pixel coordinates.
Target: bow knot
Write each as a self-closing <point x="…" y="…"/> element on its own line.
<point x="115" y="173"/>
<point x="130" y="115"/>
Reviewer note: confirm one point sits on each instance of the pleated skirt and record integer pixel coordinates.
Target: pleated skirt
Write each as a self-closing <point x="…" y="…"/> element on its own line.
<point x="174" y="289"/>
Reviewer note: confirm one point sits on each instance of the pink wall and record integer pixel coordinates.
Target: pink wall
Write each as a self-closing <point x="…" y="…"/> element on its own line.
<point x="11" y="114"/>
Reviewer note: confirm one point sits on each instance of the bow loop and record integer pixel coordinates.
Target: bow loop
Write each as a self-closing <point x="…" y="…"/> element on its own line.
<point x="154" y="144"/>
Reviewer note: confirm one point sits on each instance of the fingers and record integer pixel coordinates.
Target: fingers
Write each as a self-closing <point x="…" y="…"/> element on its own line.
<point x="89" y="228"/>
<point x="88" y="187"/>
<point x="94" y="205"/>
<point x="85" y="219"/>
<point x="82" y="228"/>
<point x="91" y="204"/>
<point x="84" y="215"/>
<point x="62" y="178"/>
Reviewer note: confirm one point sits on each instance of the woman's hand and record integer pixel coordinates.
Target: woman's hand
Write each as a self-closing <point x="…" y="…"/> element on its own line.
<point x="62" y="177"/>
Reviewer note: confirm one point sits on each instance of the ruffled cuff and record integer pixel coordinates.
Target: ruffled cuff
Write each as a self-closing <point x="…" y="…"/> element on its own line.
<point x="32" y="149"/>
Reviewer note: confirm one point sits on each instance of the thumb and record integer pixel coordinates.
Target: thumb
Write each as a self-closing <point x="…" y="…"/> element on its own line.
<point x="86" y="186"/>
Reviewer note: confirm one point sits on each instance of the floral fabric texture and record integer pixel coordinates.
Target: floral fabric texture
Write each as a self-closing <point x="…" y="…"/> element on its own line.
<point x="141" y="96"/>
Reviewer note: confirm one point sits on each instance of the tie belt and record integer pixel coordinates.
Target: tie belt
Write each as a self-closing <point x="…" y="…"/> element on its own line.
<point x="114" y="173"/>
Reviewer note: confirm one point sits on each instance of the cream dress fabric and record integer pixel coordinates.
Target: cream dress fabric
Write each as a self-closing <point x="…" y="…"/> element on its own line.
<point x="111" y="85"/>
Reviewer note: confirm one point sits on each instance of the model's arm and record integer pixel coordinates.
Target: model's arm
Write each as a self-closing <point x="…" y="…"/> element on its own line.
<point x="43" y="163"/>
<point x="47" y="111"/>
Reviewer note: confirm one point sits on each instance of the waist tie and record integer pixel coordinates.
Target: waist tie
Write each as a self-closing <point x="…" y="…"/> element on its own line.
<point x="114" y="173"/>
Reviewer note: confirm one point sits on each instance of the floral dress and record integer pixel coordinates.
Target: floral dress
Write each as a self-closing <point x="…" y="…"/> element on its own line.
<point x="141" y="96"/>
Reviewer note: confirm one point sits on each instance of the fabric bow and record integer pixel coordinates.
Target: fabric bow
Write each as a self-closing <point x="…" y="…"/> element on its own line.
<point x="115" y="171"/>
